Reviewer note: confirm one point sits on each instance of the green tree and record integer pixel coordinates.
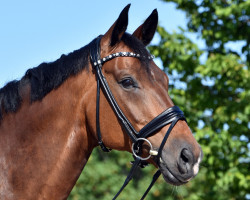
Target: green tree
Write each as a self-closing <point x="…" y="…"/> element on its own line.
<point x="212" y="87"/>
<point x="216" y="92"/>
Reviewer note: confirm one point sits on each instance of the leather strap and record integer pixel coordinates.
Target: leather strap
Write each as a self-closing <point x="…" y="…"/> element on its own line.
<point x="129" y="177"/>
<point x="94" y="56"/>
<point x="155" y="177"/>
<point x="163" y="119"/>
<point x="95" y="59"/>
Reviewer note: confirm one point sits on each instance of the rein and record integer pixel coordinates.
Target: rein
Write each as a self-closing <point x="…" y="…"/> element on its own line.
<point x="170" y="116"/>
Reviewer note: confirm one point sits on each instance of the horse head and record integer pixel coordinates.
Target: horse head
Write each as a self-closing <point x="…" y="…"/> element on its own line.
<point x="140" y="89"/>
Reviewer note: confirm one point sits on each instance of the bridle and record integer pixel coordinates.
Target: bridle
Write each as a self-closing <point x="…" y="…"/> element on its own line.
<point x="170" y="116"/>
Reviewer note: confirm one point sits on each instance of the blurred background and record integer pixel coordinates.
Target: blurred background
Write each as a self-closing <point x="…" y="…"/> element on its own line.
<point x="203" y="46"/>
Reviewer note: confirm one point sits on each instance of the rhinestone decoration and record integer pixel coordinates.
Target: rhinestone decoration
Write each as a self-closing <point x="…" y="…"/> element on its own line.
<point x="120" y="54"/>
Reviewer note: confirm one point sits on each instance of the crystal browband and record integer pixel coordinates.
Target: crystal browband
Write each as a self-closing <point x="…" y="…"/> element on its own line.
<point x="119" y="54"/>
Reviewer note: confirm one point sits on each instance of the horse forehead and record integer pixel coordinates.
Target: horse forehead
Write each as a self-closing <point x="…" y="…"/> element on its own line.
<point x="150" y="71"/>
<point x="129" y="63"/>
<point x="154" y="74"/>
<point x="125" y="65"/>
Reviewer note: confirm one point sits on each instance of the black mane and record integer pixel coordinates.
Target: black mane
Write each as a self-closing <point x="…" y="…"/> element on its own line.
<point x="48" y="76"/>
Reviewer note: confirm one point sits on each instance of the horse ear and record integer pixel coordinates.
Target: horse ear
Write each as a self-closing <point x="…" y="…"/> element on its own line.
<point x="146" y="31"/>
<point x="116" y="31"/>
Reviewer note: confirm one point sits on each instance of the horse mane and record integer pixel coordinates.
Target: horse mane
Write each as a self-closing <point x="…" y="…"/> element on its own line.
<point x="49" y="76"/>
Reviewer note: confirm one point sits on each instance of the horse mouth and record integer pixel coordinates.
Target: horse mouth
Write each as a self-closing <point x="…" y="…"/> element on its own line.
<point x="168" y="176"/>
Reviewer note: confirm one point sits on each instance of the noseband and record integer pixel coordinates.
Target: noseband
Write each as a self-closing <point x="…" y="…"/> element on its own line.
<point x="170" y="116"/>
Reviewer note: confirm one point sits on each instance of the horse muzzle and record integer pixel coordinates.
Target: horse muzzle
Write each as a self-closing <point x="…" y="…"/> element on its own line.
<point x="180" y="170"/>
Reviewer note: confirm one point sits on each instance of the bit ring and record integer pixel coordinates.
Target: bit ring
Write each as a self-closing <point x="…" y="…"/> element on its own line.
<point x="137" y="156"/>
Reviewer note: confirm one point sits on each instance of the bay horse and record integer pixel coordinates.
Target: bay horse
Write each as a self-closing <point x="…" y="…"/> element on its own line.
<point x="108" y="93"/>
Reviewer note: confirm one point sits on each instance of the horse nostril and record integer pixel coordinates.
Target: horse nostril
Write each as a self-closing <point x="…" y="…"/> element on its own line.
<point x="185" y="161"/>
<point x="184" y="156"/>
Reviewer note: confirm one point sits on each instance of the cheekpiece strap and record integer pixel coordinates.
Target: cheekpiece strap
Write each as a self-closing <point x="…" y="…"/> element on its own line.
<point x="94" y="57"/>
<point x="97" y="63"/>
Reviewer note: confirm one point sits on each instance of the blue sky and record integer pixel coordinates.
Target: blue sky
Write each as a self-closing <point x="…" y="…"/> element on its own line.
<point x="33" y="32"/>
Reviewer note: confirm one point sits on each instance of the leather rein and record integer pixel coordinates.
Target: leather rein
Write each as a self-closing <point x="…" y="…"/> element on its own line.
<point x="170" y="116"/>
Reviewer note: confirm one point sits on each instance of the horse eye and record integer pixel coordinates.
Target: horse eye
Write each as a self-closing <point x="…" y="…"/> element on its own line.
<point x="127" y="83"/>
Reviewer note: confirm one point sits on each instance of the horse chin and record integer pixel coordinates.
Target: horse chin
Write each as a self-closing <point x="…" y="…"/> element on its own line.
<point x="168" y="176"/>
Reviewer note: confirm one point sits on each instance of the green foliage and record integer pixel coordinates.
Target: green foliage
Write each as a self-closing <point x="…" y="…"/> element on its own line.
<point x="223" y="108"/>
<point x="219" y="22"/>
<point x="105" y="173"/>
<point x="216" y="93"/>
<point x="215" y="96"/>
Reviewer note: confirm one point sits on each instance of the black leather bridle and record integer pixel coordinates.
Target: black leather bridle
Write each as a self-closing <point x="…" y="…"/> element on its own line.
<point x="170" y="116"/>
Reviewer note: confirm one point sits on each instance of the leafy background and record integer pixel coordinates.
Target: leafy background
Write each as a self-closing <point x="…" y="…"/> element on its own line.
<point x="211" y="85"/>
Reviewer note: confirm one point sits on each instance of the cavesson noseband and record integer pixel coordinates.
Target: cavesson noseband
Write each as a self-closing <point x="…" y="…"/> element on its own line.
<point x="169" y="116"/>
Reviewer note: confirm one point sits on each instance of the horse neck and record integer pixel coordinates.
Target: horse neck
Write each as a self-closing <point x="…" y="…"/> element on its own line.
<point x="51" y="139"/>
